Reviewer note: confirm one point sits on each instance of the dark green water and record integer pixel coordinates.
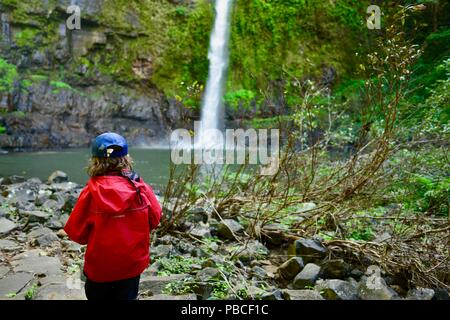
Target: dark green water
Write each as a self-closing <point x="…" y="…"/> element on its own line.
<point x="151" y="164"/>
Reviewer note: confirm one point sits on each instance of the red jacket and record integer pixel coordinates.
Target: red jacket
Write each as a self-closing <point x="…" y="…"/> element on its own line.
<point x="115" y="224"/>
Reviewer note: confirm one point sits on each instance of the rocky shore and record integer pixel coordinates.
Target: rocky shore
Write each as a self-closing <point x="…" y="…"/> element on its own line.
<point x="203" y="261"/>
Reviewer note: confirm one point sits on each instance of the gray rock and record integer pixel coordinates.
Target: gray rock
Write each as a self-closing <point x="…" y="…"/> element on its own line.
<point x="200" y="230"/>
<point x="8" y="245"/>
<point x="252" y="250"/>
<point x="170" y="297"/>
<point x="53" y="205"/>
<point x="274" y="295"/>
<point x="60" y="291"/>
<point x="335" y="269"/>
<point x="164" y="251"/>
<point x="42" y="196"/>
<point x="63" y="186"/>
<point x="441" y="294"/>
<point x="37" y="216"/>
<point x="46" y="240"/>
<point x="228" y="228"/>
<point x="58" y="177"/>
<point x="291" y="268"/>
<point x="3" y="271"/>
<point x="13" y="283"/>
<point x="167" y="239"/>
<point x="207" y="274"/>
<point x="420" y="294"/>
<point x="156" y="284"/>
<point x="13" y="179"/>
<point x="6" y="226"/>
<point x="70" y="246"/>
<point x="213" y="261"/>
<point x="197" y="215"/>
<point x="307" y="277"/>
<point x="309" y="249"/>
<point x="336" y="289"/>
<point x="259" y="272"/>
<point x="274" y="233"/>
<point x="43" y="237"/>
<point x="199" y="252"/>
<point x="375" y="288"/>
<point x="35" y="261"/>
<point x="302" y="295"/>
<point x="63" y="218"/>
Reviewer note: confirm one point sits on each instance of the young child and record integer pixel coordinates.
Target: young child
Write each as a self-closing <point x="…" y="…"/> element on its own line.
<point x="114" y="216"/>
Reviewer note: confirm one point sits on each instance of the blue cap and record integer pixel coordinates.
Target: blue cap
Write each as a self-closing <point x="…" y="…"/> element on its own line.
<point x="109" y="145"/>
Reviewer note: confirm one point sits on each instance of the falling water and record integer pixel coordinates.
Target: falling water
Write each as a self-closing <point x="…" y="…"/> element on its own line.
<point x="218" y="63"/>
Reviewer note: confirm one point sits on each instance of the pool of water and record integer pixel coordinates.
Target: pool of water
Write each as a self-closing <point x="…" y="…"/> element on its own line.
<point x="151" y="164"/>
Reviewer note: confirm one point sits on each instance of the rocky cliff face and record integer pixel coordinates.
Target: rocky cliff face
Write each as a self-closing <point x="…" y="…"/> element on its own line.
<point x="70" y="85"/>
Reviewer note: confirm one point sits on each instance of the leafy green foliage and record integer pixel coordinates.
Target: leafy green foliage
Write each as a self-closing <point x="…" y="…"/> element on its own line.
<point x="240" y="99"/>
<point x="26" y="37"/>
<point x="31" y="292"/>
<point x="8" y="74"/>
<point x="177" y="265"/>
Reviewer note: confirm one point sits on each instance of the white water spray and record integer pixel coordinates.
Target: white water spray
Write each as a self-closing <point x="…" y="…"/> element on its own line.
<point x="218" y="65"/>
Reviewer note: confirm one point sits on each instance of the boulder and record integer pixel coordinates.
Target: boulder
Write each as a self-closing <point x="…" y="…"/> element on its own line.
<point x="375" y="288"/>
<point x="207" y="273"/>
<point x="6" y="226"/>
<point x="58" y="177"/>
<point x="441" y="294"/>
<point x="307" y="277"/>
<point x="200" y="230"/>
<point x="291" y="268"/>
<point x="309" y="249"/>
<point x="335" y="269"/>
<point x="43" y="237"/>
<point x="336" y="289"/>
<point x="274" y="233"/>
<point x="13" y="179"/>
<point x="228" y="228"/>
<point x="420" y="294"/>
<point x="302" y="295"/>
<point x="197" y="215"/>
<point x="8" y="245"/>
<point x="37" y="216"/>
<point x="259" y="272"/>
<point x="252" y="250"/>
<point x="164" y="251"/>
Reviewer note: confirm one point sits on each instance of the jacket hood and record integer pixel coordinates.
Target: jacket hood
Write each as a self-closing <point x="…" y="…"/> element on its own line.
<point x="115" y="194"/>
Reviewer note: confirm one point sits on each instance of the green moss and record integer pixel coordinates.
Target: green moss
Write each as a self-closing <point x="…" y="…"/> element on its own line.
<point x="59" y="85"/>
<point x="26" y="37"/>
<point x="8" y="74"/>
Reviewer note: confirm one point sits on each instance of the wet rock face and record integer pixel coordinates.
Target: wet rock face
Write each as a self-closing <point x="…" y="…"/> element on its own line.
<point x="103" y="82"/>
<point x="69" y="118"/>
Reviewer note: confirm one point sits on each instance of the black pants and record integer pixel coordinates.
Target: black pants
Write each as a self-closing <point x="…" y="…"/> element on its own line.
<point x="127" y="289"/>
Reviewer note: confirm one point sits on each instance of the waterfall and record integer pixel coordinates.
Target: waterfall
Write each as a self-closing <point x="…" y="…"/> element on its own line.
<point x="218" y="64"/>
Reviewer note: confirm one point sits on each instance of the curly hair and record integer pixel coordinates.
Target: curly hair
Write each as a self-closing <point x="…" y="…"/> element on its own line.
<point x="99" y="166"/>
